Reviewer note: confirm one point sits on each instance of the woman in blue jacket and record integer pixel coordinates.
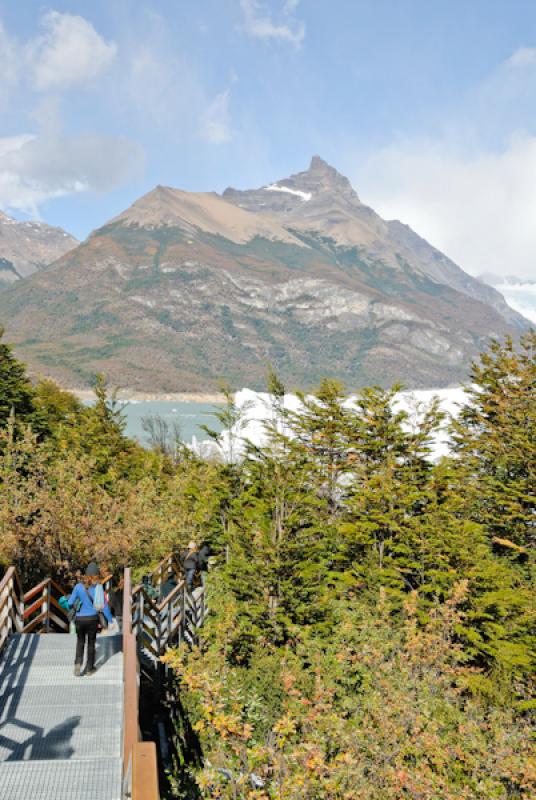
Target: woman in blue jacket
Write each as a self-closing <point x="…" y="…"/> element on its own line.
<point x="87" y="619"/>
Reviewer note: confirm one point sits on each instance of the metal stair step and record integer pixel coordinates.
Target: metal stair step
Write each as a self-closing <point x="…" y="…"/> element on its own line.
<point x="58" y="733"/>
<point x="75" y="697"/>
<point x="90" y="779"/>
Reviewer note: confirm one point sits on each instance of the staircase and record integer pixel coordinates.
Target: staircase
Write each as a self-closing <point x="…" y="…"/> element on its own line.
<point x="69" y="738"/>
<point x="60" y="736"/>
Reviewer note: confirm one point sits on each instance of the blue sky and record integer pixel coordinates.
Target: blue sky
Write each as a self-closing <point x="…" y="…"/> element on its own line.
<point x="428" y="107"/>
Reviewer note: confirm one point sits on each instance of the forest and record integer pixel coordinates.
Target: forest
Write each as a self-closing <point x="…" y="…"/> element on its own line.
<point x="372" y="629"/>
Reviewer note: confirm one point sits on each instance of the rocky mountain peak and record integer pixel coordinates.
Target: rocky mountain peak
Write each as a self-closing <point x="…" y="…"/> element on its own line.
<point x="315" y="189"/>
<point x="321" y="181"/>
<point x="29" y="245"/>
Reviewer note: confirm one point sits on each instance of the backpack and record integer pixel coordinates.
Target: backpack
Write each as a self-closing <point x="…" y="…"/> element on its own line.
<point x="99" y="600"/>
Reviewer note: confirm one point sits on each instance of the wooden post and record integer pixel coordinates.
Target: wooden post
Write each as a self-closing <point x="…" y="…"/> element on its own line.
<point x="47" y="592"/>
<point x="141" y="616"/>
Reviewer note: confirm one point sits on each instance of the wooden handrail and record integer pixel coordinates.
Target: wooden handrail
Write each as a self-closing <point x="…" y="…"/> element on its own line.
<point x="144" y="772"/>
<point x="130" y="700"/>
<point x="139" y="758"/>
<point x="6" y="579"/>
<point x="167" y="562"/>
<point x="172" y="595"/>
<point x="60" y="589"/>
<point x="35" y="590"/>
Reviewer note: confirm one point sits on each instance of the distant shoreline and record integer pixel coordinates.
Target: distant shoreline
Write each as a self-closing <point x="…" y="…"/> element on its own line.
<point x="154" y="397"/>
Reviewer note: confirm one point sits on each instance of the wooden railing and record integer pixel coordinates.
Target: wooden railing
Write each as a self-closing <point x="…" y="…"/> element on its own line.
<point x="36" y="611"/>
<point x="152" y="625"/>
<point x="42" y="610"/>
<point x="11" y="606"/>
<point x="139" y="758"/>
<point x="159" y="624"/>
<point x="167" y="568"/>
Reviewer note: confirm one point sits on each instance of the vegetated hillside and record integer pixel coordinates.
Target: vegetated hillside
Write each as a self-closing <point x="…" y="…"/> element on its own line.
<point x="184" y="288"/>
<point x="371" y="634"/>
<point x="28" y="246"/>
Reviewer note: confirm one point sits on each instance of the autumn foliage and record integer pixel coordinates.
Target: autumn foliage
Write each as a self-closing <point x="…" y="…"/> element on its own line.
<point x="372" y="625"/>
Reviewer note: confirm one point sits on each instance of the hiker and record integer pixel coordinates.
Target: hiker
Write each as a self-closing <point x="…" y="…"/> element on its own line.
<point x="203" y="557"/>
<point x="150" y="590"/>
<point x="167" y="587"/>
<point x="89" y="602"/>
<point x="190" y="563"/>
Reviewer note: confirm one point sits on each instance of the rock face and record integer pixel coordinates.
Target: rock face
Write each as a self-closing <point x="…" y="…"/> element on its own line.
<point x="28" y="246"/>
<point x="322" y="202"/>
<point x="184" y="289"/>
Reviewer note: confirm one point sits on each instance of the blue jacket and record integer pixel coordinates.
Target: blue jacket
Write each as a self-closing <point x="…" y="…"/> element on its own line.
<point x="87" y="608"/>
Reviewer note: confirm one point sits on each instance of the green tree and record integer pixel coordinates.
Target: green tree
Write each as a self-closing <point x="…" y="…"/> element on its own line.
<point x="495" y="439"/>
<point x="16" y="392"/>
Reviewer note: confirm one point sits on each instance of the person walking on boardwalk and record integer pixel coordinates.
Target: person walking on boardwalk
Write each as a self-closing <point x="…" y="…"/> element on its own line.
<point x="191" y="565"/>
<point x="88" y="600"/>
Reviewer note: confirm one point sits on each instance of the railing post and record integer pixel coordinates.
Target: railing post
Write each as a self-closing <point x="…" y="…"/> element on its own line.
<point x="141" y="616"/>
<point x="184" y="616"/>
<point x="11" y="606"/>
<point x="202" y="598"/>
<point x="46" y="605"/>
<point x="169" y="620"/>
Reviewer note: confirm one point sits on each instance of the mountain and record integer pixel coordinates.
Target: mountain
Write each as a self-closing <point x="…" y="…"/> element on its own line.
<point x="183" y="289"/>
<point x="28" y="246"/>
<point x="322" y="202"/>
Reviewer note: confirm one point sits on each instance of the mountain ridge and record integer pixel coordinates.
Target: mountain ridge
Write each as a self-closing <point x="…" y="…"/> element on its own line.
<point x="184" y="288"/>
<point x="26" y="246"/>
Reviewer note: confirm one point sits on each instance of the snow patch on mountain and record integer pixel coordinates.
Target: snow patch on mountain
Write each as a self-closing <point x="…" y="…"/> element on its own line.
<point x="305" y="196"/>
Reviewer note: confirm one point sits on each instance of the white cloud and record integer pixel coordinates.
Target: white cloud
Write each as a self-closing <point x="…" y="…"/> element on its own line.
<point x="479" y="208"/>
<point x="471" y="190"/>
<point x="523" y="57"/>
<point x="216" y="124"/>
<point x="258" y="22"/>
<point x="70" y="52"/>
<point x="37" y="168"/>
<point x="10" y="143"/>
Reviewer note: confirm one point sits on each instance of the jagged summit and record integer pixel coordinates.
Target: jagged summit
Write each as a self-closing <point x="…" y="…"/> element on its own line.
<point x="326" y="178"/>
<point x="318" y="185"/>
<point x="319" y="199"/>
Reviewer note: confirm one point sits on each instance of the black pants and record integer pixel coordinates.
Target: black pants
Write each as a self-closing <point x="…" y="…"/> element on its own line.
<point x="189" y="574"/>
<point x="86" y="629"/>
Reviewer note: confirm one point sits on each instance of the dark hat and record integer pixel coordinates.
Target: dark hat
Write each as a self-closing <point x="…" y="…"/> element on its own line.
<point x="92" y="570"/>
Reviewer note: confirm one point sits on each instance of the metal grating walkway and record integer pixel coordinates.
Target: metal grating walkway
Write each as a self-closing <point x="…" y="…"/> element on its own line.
<point x="60" y="736"/>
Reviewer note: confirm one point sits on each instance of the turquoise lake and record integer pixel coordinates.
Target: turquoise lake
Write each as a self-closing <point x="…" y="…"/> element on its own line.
<point x="188" y="416"/>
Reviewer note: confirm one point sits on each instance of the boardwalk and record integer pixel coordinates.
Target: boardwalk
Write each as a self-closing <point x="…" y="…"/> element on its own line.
<point x="60" y="736"/>
<point x="67" y="738"/>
